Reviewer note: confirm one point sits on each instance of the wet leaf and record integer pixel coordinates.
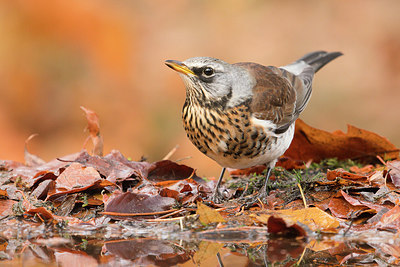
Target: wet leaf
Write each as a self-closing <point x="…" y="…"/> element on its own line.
<point x="114" y="166"/>
<point x="77" y="176"/>
<point x="206" y="250"/>
<point x="356" y="202"/>
<point x="147" y="250"/>
<point x="278" y="226"/>
<point x="313" y="144"/>
<point x="314" y="218"/>
<point x="340" y="208"/>
<point x="208" y="215"/>
<point x="136" y="203"/>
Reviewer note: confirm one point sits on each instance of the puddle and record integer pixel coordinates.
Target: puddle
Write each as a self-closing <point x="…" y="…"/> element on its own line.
<point x="135" y="244"/>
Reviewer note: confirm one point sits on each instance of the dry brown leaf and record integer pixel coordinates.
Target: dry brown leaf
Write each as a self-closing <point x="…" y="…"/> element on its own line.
<point x="30" y="159"/>
<point x="94" y="131"/>
<point x="313" y="144"/>
<point x="332" y="175"/>
<point x="75" y="176"/>
<point x="208" y="215"/>
<point x="394" y="171"/>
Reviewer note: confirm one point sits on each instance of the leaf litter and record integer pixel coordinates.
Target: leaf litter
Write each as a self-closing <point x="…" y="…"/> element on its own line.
<point x="328" y="188"/>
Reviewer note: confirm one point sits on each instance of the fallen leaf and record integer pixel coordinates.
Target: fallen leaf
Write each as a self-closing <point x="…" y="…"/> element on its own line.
<point x="94" y="131"/>
<point x="278" y="226"/>
<point x="114" y="166"/>
<point x="148" y="250"/>
<point x="6" y="206"/>
<point x="332" y="175"/>
<point x="208" y="215"/>
<point x="42" y="212"/>
<point x="376" y="178"/>
<point x="313" y="144"/>
<point x="342" y="209"/>
<point x="75" y="176"/>
<point x="315" y="218"/>
<point x="45" y="188"/>
<point x="166" y="170"/>
<point x="356" y="202"/>
<point x="135" y="203"/>
<point x="394" y="171"/>
<point x="391" y="219"/>
<point x="206" y="250"/>
<point x="30" y="159"/>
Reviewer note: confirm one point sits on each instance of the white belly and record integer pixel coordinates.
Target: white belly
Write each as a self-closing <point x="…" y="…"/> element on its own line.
<point x="267" y="157"/>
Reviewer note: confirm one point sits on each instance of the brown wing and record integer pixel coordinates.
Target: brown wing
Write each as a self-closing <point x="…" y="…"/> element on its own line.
<point x="274" y="95"/>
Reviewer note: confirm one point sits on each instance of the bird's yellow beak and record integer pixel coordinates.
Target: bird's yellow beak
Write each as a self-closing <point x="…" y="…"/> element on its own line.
<point x="179" y="67"/>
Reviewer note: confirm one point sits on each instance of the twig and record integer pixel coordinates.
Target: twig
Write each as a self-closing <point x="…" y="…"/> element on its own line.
<point x="221" y="264"/>
<point x="381" y="160"/>
<point x="302" y="255"/>
<point x="170" y="214"/>
<point x="351" y="224"/>
<point x="170" y="219"/>
<point x="111" y="213"/>
<point x="168" y="156"/>
<point x="302" y="195"/>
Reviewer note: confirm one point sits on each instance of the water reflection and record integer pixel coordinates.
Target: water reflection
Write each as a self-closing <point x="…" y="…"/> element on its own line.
<point x="77" y="252"/>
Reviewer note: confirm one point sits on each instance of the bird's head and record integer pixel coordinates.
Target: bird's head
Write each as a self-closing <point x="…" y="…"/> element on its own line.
<point x="211" y="79"/>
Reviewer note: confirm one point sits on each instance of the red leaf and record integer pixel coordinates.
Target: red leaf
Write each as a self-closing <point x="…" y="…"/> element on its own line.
<point x="355" y="202"/>
<point x="166" y="170"/>
<point x="278" y="226"/>
<point x="134" y="203"/>
<point x="332" y="175"/>
<point x="313" y="144"/>
<point x="77" y="176"/>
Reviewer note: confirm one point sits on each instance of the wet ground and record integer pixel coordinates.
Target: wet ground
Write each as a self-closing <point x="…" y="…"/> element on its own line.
<point x="167" y="244"/>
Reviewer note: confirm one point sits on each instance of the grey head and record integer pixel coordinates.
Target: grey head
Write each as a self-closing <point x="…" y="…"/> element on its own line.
<point x="214" y="80"/>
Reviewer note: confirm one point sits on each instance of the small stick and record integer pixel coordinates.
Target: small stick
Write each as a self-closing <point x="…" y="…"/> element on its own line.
<point x="302" y="195"/>
<point x="111" y="213"/>
<point x="168" y="156"/>
<point x="170" y="214"/>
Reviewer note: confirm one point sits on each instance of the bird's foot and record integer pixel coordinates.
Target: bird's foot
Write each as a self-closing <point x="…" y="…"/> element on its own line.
<point x="217" y="197"/>
<point x="260" y="198"/>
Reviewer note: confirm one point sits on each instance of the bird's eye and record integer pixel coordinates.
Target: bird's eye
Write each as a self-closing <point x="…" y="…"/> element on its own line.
<point x="208" y="71"/>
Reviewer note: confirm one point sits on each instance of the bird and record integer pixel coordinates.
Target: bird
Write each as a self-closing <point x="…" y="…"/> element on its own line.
<point x="243" y="114"/>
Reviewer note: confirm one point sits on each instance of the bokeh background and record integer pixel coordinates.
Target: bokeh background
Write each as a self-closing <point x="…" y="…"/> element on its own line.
<point x="57" y="55"/>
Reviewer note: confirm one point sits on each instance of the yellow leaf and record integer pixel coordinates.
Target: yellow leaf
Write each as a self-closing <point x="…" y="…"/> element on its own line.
<point x="314" y="218"/>
<point x="208" y="215"/>
<point x="206" y="250"/>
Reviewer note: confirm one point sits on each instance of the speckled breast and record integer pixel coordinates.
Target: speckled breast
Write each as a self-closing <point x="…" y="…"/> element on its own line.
<point x="227" y="136"/>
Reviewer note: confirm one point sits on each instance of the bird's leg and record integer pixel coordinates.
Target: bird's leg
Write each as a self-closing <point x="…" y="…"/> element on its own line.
<point x="262" y="194"/>
<point x="265" y="190"/>
<point x="216" y="196"/>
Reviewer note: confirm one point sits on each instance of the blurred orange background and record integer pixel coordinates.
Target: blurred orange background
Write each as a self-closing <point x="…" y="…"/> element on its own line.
<point x="57" y="55"/>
